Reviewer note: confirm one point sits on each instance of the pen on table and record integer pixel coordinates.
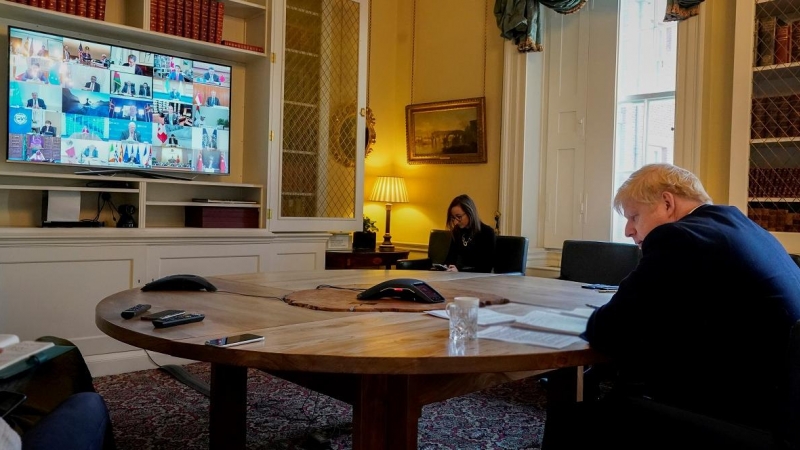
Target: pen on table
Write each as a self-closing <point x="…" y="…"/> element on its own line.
<point x="592" y="306"/>
<point x="606" y="291"/>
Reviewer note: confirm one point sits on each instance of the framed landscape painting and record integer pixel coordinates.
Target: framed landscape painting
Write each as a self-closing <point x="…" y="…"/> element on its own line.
<point x="449" y="132"/>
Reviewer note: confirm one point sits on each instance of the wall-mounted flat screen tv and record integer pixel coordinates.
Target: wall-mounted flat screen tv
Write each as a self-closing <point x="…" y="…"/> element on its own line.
<point x="84" y="103"/>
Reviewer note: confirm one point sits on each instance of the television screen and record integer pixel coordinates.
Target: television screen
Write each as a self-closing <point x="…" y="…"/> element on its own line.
<point x="85" y="103"/>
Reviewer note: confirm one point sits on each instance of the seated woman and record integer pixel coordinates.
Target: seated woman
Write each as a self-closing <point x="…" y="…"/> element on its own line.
<point x="472" y="245"/>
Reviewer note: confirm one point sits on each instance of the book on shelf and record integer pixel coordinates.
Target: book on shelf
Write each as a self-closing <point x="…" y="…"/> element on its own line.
<point x="101" y="9"/>
<point x="766" y="41"/>
<point x="180" y="6"/>
<point x="196" y="6"/>
<point x="188" y="13"/>
<point x="72" y="6"/>
<point x="171" y="11"/>
<point x="234" y="44"/>
<point x="51" y="5"/>
<point x="552" y="322"/>
<point x="782" y="42"/>
<point x="220" y="21"/>
<point x="204" y="7"/>
<point x="794" y="49"/>
<point x="91" y="9"/>
<point x="15" y="350"/>
<point x="82" y="9"/>
<point x="212" y="21"/>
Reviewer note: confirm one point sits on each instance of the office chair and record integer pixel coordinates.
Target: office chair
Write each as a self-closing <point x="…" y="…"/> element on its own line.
<point x="438" y="246"/>
<point x="597" y="261"/>
<point x="510" y="254"/>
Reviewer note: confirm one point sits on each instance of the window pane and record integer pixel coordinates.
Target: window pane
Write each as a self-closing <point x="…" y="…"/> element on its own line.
<point x="645" y="93"/>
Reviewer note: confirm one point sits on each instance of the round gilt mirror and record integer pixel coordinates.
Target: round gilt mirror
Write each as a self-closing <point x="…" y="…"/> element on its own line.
<point x="344" y="123"/>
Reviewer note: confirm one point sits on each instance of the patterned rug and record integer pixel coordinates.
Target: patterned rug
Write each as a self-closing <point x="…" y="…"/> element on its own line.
<point x="152" y="410"/>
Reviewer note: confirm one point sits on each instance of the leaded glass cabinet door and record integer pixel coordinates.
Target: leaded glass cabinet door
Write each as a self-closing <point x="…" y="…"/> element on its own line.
<point x="318" y="128"/>
<point x="765" y="136"/>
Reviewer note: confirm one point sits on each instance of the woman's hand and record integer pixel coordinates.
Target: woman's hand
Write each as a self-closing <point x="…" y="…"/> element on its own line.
<point x="452" y="268"/>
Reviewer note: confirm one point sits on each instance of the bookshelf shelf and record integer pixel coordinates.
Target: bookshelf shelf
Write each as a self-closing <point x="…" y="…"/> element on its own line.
<point x="118" y="34"/>
<point x="243" y="9"/>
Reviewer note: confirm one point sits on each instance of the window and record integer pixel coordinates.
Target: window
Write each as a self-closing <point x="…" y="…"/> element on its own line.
<point x="646" y="72"/>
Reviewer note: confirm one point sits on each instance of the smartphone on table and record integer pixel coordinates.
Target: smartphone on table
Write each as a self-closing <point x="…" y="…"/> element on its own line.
<point x="164" y="314"/>
<point x="230" y="341"/>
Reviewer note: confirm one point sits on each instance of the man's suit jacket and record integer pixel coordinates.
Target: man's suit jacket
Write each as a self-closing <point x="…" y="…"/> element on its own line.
<point x="129" y="89"/>
<point x="39" y="102"/>
<point x="96" y="87"/>
<point x="711" y="291"/>
<point x="144" y="91"/>
<point x="48" y="131"/>
<point x="126" y="135"/>
<point x="212" y="101"/>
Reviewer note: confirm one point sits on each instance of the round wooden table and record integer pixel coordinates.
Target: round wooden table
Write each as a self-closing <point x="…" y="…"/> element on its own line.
<point x="386" y="364"/>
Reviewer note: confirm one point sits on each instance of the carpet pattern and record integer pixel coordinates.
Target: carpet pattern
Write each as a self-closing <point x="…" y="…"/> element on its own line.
<point x="152" y="410"/>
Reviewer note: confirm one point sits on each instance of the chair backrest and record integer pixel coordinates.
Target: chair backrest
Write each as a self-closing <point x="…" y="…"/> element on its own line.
<point x="510" y="254"/>
<point x="438" y="245"/>
<point x="597" y="261"/>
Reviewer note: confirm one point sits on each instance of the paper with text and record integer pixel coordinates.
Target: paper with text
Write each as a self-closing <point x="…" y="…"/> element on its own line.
<point x="485" y="316"/>
<point x="552" y="322"/>
<point x="530" y="337"/>
<point x="15" y="353"/>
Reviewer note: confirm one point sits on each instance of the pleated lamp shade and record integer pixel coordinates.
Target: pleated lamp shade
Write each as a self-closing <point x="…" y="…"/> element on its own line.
<point x="389" y="190"/>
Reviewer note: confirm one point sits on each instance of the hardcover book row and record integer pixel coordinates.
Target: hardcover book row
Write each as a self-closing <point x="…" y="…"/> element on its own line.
<point x="777" y="41"/>
<point x="775" y="117"/>
<point x="775" y="219"/>
<point x="91" y="9"/>
<point x="194" y="19"/>
<point x="774" y="182"/>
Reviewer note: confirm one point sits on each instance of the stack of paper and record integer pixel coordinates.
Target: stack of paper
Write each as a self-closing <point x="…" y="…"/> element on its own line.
<point x="20" y="351"/>
<point x="485" y="316"/>
<point x="552" y="322"/>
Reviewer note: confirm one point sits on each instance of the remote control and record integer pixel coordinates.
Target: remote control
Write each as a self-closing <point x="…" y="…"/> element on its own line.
<point x="178" y="320"/>
<point x="135" y="311"/>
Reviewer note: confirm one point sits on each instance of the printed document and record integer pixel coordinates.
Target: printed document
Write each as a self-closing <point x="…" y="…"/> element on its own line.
<point x="530" y="337"/>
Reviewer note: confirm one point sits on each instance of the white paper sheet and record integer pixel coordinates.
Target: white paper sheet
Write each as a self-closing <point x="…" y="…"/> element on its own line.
<point x="579" y="312"/>
<point x="552" y="322"/>
<point x="530" y="337"/>
<point x="485" y="316"/>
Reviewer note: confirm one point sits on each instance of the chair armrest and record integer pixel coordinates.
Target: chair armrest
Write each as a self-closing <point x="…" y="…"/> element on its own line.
<point x="414" y="264"/>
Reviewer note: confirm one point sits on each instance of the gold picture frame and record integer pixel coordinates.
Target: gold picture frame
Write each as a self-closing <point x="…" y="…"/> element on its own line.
<point x="450" y="132"/>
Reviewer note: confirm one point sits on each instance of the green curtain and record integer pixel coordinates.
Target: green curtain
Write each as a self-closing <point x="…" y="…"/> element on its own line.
<point x="681" y="9"/>
<point x="518" y="20"/>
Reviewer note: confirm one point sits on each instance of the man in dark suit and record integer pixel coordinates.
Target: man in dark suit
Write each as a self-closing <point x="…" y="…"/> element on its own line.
<point x="712" y="290"/>
<point x="129" y="88"/>
<point x="210" y="76"/>
<point x="212" y="100"/>
<point x="144" y="90"/>
<point x="131" y="134"/>
<point x="35" y="102"/>
<point x="48" y="129"/>
<point x="92" y="85"/>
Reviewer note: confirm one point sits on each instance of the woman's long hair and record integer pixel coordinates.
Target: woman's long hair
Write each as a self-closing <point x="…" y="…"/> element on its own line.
<point x="466" y="204"/>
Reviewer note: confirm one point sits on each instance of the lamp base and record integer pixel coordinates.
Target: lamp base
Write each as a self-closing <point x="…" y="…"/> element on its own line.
<point x="386" y="245"/>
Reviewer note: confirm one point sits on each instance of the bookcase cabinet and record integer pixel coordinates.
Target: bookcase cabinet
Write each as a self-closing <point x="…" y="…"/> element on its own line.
<point x="765" y="136"/>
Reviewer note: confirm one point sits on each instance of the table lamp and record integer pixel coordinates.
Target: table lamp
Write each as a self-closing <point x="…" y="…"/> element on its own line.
<point x="389" y="190"/>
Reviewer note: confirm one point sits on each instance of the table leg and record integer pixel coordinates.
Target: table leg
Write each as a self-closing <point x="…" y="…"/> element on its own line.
<point x="228" y="415"/>
<point x="384" y="414"/>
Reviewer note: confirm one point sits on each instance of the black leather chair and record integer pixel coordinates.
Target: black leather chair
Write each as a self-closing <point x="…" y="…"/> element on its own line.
<point x="510" y="254"/>
<point x="654" y="425"/>
<point x="438" y="246"/>
<point x="598" y="261"/>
